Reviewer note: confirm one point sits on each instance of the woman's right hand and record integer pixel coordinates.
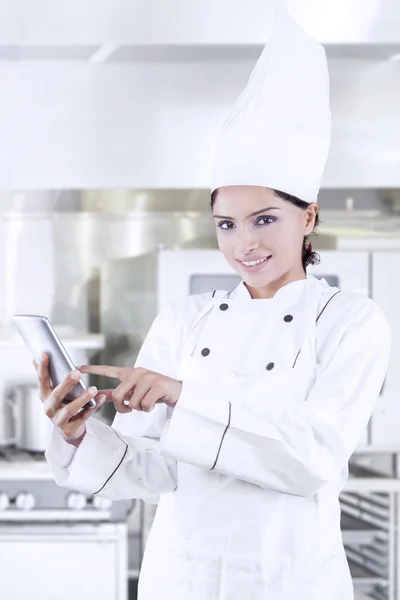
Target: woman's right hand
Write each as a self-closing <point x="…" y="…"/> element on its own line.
<point x="64" y="416"/>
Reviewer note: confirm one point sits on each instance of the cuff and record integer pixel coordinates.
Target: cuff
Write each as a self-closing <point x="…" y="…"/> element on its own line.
<point x="59" y="455"/>
<point x="93" y="463"/>
<point x="197" y="427"/>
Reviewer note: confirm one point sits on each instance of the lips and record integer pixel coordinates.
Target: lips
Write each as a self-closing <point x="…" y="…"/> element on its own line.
<point x="255" y="259"/>
<point x="257" y="267"/>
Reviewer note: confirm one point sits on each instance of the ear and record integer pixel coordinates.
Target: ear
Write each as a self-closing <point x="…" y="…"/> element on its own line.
<point x="310" y="214"/>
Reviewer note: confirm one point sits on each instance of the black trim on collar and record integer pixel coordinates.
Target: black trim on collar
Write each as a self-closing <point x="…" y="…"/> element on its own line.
<point x="331" y="298"/>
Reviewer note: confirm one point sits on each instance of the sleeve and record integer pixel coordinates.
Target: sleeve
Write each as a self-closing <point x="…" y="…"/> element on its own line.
<point x="298" y="448"/>
<point x="123" y="461"/>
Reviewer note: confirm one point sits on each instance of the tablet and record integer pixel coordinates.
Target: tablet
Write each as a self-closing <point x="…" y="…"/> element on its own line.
<point x="39" y="336"/>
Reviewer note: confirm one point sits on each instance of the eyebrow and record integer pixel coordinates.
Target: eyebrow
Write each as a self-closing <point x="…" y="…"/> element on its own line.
<point x="254" y="214"/>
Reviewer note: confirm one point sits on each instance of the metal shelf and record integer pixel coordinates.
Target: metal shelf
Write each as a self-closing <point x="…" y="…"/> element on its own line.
<point x="364" y="577"/>
<point x="355" y="531"/>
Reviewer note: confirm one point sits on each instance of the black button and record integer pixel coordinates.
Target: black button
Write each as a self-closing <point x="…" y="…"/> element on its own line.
<point x="224" y="307"/>
<point x="205" y="351"/>
<point x="288" y="318"/>
<point x="270" y="366"/>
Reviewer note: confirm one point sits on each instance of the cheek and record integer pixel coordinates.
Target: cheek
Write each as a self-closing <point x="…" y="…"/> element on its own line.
<point x="284" y="239"/>
<point x="225" y="243"/>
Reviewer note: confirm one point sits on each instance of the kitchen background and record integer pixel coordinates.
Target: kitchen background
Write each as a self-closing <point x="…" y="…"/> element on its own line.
<point x="109" y="113"/>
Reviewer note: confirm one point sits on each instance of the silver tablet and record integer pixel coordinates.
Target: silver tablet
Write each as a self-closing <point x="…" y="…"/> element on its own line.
<point x="39" y="336"/>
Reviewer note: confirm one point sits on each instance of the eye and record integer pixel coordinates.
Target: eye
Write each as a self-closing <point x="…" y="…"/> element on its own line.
<point x="229" y="225"/>
<point x="265" y="219"/>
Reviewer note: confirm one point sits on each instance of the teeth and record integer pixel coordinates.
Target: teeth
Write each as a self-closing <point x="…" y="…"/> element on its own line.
<point x="254" y="262"/>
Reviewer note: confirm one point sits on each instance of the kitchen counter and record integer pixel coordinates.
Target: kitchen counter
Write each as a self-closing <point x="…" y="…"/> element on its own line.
<point x="37" y="469"/>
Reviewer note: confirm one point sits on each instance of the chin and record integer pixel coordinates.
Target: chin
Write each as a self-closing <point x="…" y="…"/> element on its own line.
<point x="262" y="279"/>
<point x="258" y="279"/>
<point x="255" y="282"/>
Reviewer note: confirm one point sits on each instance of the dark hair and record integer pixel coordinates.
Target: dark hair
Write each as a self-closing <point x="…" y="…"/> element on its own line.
<point x="309" y="257"/>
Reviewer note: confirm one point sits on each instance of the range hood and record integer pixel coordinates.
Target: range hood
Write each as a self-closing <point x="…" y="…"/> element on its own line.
<point x="115" y="94"/>
<point x="198" y="22"/>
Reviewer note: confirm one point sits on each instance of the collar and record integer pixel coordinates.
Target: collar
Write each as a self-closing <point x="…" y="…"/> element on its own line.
<point x="289" y="292"/>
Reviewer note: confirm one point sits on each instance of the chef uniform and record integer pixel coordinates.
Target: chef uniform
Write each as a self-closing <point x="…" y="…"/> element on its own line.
<point x="276" y="393"/>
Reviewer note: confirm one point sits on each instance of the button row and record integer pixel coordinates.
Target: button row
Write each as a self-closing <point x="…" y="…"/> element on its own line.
<point x="206" y="352"/>
<point x="287" y="318"/>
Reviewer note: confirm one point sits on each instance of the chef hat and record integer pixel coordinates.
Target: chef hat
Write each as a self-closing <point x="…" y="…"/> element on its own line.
<point x="278" y="133"/>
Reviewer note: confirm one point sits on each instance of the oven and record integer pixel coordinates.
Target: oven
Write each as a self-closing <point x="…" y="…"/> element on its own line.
<point x="56" y="543"/>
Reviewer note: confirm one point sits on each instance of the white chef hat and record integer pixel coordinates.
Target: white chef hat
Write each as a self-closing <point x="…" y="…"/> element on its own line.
<point x="278" y="133"/>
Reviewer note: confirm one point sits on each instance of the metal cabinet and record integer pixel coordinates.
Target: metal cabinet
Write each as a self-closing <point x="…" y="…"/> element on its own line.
<point x="49" y="561"/>
<point x="385" y="426"/>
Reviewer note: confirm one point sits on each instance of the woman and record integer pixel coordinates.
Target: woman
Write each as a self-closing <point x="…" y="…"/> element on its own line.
<point x="244" y="406"/>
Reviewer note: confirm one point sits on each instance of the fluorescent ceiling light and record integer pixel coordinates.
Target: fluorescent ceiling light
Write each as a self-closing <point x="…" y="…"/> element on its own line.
<point x="395" y="57"/>
<point x="103" y="53"/>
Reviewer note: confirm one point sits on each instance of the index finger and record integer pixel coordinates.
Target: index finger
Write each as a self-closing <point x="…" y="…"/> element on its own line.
<point x="105" y="370"/>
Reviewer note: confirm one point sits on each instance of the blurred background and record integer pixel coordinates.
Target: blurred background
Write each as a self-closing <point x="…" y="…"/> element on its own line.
<point x="109" y="112"/>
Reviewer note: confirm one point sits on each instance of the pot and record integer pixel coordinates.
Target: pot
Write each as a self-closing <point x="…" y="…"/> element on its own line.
<point x="7" y="421"/>
<point x="32" y="426"/>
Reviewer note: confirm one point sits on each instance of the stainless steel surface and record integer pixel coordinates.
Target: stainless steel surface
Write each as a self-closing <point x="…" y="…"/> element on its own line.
<point x="87" y="228"/>
<point x="63" y="560"/>
<point x="7" y="421"/>
<point x="33" y="500"/>
<point x="39" y="518"/>
<point x="370" y="525"/>
<point x="86" y="241"/>
<point x="32" y="426"/>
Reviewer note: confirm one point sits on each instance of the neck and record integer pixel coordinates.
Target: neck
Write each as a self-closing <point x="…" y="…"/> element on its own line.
<point x="269" y="290"/>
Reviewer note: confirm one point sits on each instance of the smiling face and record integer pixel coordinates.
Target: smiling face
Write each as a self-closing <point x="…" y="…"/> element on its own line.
<point x="253" y="224"/>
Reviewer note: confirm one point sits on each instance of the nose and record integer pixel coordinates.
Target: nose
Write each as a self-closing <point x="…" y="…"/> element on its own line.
<point x="246" y="242"/>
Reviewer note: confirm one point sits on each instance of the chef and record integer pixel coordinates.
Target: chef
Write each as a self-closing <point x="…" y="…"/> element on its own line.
<point x="244" y="406"/>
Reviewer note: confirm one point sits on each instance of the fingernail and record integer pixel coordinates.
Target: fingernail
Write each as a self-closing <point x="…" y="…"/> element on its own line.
<point x="92" y="389"/>
<point x="43" y="356"/>
<point x="101" y="398"/>
<point x="75" y="374"/>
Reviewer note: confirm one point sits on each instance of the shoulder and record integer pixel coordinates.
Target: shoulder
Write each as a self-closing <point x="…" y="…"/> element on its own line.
<point x="351" y="316"/>
<point x="182" y="312"/>
<point x="345" y="308"/>
<point x="191" y="305"/>
<point x="351" y="310"/>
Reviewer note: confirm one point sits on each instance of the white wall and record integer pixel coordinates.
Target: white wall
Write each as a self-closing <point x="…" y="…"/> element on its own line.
<point x="151" y="125"/>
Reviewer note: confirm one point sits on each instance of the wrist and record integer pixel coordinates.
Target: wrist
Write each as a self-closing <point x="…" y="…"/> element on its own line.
<point x="76" y="442"/>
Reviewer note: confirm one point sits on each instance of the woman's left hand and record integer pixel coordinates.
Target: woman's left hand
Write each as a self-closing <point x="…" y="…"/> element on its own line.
<point x="139" y="388"/>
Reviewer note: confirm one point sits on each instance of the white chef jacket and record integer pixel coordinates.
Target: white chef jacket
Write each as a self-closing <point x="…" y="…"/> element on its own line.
<point x="249" y="464"/>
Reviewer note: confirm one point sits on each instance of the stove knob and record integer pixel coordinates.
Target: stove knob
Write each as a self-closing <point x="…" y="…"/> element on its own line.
<point x="76" y="500"/>
<point x="4" y="501"/>
<point x="25" y="501"/>
<point x="102" y="503"/>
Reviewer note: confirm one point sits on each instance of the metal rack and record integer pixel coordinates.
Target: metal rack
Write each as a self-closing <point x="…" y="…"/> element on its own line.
<point x="370" y="525"/>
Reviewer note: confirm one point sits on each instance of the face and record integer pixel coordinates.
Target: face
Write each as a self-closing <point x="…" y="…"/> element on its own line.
<point x="253" y="224"/>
